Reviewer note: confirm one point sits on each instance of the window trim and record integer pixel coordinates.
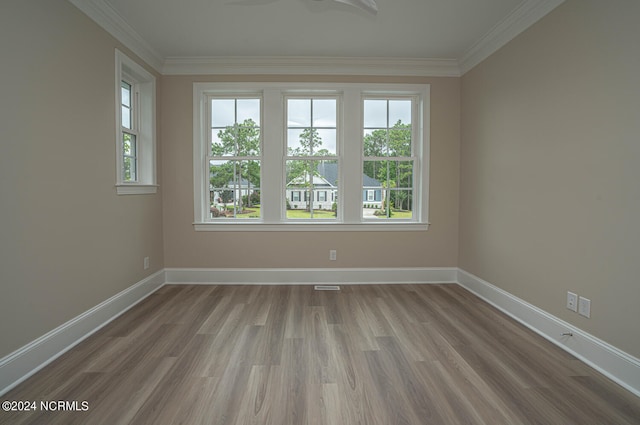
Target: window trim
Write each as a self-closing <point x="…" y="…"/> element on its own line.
<point x="309" y="195"/>
<point x="143" y="90"/>
<point x="272" y="184"/>
<point x="416" y="149"/>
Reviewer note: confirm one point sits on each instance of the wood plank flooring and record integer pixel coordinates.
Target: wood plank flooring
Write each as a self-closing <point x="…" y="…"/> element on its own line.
<point x="289" y="355"/>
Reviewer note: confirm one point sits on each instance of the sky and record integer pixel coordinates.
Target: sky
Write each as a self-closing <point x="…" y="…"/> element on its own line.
<point x="321" y="113"/>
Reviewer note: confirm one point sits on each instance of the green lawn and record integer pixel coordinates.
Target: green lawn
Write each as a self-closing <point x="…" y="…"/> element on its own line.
<point x="402" y="214"/>
<point x="254" y="212"/>
<point x="320" y="214"/>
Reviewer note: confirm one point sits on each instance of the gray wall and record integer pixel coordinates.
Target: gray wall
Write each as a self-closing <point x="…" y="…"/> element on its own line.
<point x="67" y="241"/>
<point x="550" y="193"/>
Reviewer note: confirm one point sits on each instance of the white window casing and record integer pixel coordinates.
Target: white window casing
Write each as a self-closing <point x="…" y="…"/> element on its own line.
<point x="274" y="153"/>
<point x="143" y="108"/>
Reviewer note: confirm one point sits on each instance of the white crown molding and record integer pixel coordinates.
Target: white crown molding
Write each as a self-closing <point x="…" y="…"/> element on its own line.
<point x="527" y="14"/>
<point x="306" y="276"/>
<point x="24" y="362"/>
<point x="283" y="65"/>
<point x="612" y="362"/>
<point x="114" y="24"/>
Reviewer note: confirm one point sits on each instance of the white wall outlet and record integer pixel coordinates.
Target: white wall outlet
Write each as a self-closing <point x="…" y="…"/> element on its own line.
<point x="572" y="301"/>
<point x="333" y="254"/>
<point x="146" y="263"/>
<point x="584" y="306"/>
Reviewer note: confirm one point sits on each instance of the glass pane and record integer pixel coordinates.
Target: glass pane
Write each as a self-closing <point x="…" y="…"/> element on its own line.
<point x="129" y="161"/>
<point x="222" y="112"/>
<point x="234" y="188"/>
<point x="298" y="112"/>
<point x="309" y="141"/>
<point x="375" y="113"/>
<point x="375" y="143"/>
<point x="325" y="142"/>
<point x="129" y="169"/>
<point x="311" y="191"/>
<point x="401" y="174"/>
<point x="235" y="141"/>
<point x="400" y="140"/>
<point x="374" y="173"/>
<point x="294" y="146"/>
<point x="400" y="204"/>
<point x="399" y="111"/>
<point x="249" y="110"/>
<point x="324" y="112"/>
<point x="222" y="142"/>
<point x="125" y="90"/>
<point x="129" y="144"/>
<point x="248" y="141"/>
<point x="126" y="117"/>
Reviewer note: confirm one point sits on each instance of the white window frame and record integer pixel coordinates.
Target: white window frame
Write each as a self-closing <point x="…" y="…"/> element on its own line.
<point x="414" y="157"/>
<point x="273" y="131"/>
<point x="132" y="130"/>
<point x="143" y="105"/>
<point x="208" y="113"/>
<point x="310" y="194"/>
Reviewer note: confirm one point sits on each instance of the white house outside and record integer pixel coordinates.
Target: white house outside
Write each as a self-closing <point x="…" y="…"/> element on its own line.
<point x="324" y="190"/>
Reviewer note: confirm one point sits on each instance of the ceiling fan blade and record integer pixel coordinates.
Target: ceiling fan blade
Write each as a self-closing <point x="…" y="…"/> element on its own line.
<point x="250" y="2"/>
<point x="368" y="5"/>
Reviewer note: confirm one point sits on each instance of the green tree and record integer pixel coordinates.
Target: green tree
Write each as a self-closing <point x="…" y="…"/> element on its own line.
<point x="394" y="142"/>
<point x="302" y="171"/>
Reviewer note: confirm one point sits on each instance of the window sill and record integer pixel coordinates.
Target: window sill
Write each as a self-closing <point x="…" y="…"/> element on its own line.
<point x="136" y="189"/>
<point x="310" y="227"/>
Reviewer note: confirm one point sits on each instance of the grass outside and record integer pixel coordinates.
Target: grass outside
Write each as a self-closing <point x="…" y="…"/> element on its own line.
<point x="319" y="214"/>
<point x="250" y="212"/>
<point x="402" y="214"/>
<point x="254" y="212"/>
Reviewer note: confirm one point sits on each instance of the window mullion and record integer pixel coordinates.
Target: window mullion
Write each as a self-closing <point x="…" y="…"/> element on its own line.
<point x="272" y="182"/>
<point x="350" y="195"/>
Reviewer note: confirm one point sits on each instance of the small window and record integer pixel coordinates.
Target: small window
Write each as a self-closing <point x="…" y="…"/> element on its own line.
<point x="135" y="128"/>
<point x="129" y="133"/>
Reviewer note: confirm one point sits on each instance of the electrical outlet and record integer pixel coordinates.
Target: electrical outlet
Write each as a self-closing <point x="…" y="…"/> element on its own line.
<point x="146" y="263"/>
<point x="572" y="301"/>
<point x="584" y="307"/>
<point x="333" y="254"/>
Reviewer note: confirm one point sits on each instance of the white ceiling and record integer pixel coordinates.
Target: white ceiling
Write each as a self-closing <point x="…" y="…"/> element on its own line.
<point x="183" y="30"/>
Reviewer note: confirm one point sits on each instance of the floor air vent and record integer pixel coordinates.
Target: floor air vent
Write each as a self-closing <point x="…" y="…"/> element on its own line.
<point x="326" y="288"/>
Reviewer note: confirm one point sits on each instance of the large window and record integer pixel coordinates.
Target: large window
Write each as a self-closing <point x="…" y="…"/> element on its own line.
<point x="135" y="128"/>
<point x="272" y="156"/>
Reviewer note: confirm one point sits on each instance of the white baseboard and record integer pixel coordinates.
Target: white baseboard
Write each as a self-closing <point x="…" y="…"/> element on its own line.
<point x="607" y="359"/>
<point x="617" y="365"/>
<point x="24" y="362"/>
<point x="304" y="276"/>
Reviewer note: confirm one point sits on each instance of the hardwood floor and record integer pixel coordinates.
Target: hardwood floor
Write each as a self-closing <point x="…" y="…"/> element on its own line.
<point x="387" y="354"/>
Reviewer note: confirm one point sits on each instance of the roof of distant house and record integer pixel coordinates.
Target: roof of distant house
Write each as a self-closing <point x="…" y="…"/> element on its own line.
<point x="329" y="171"/>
